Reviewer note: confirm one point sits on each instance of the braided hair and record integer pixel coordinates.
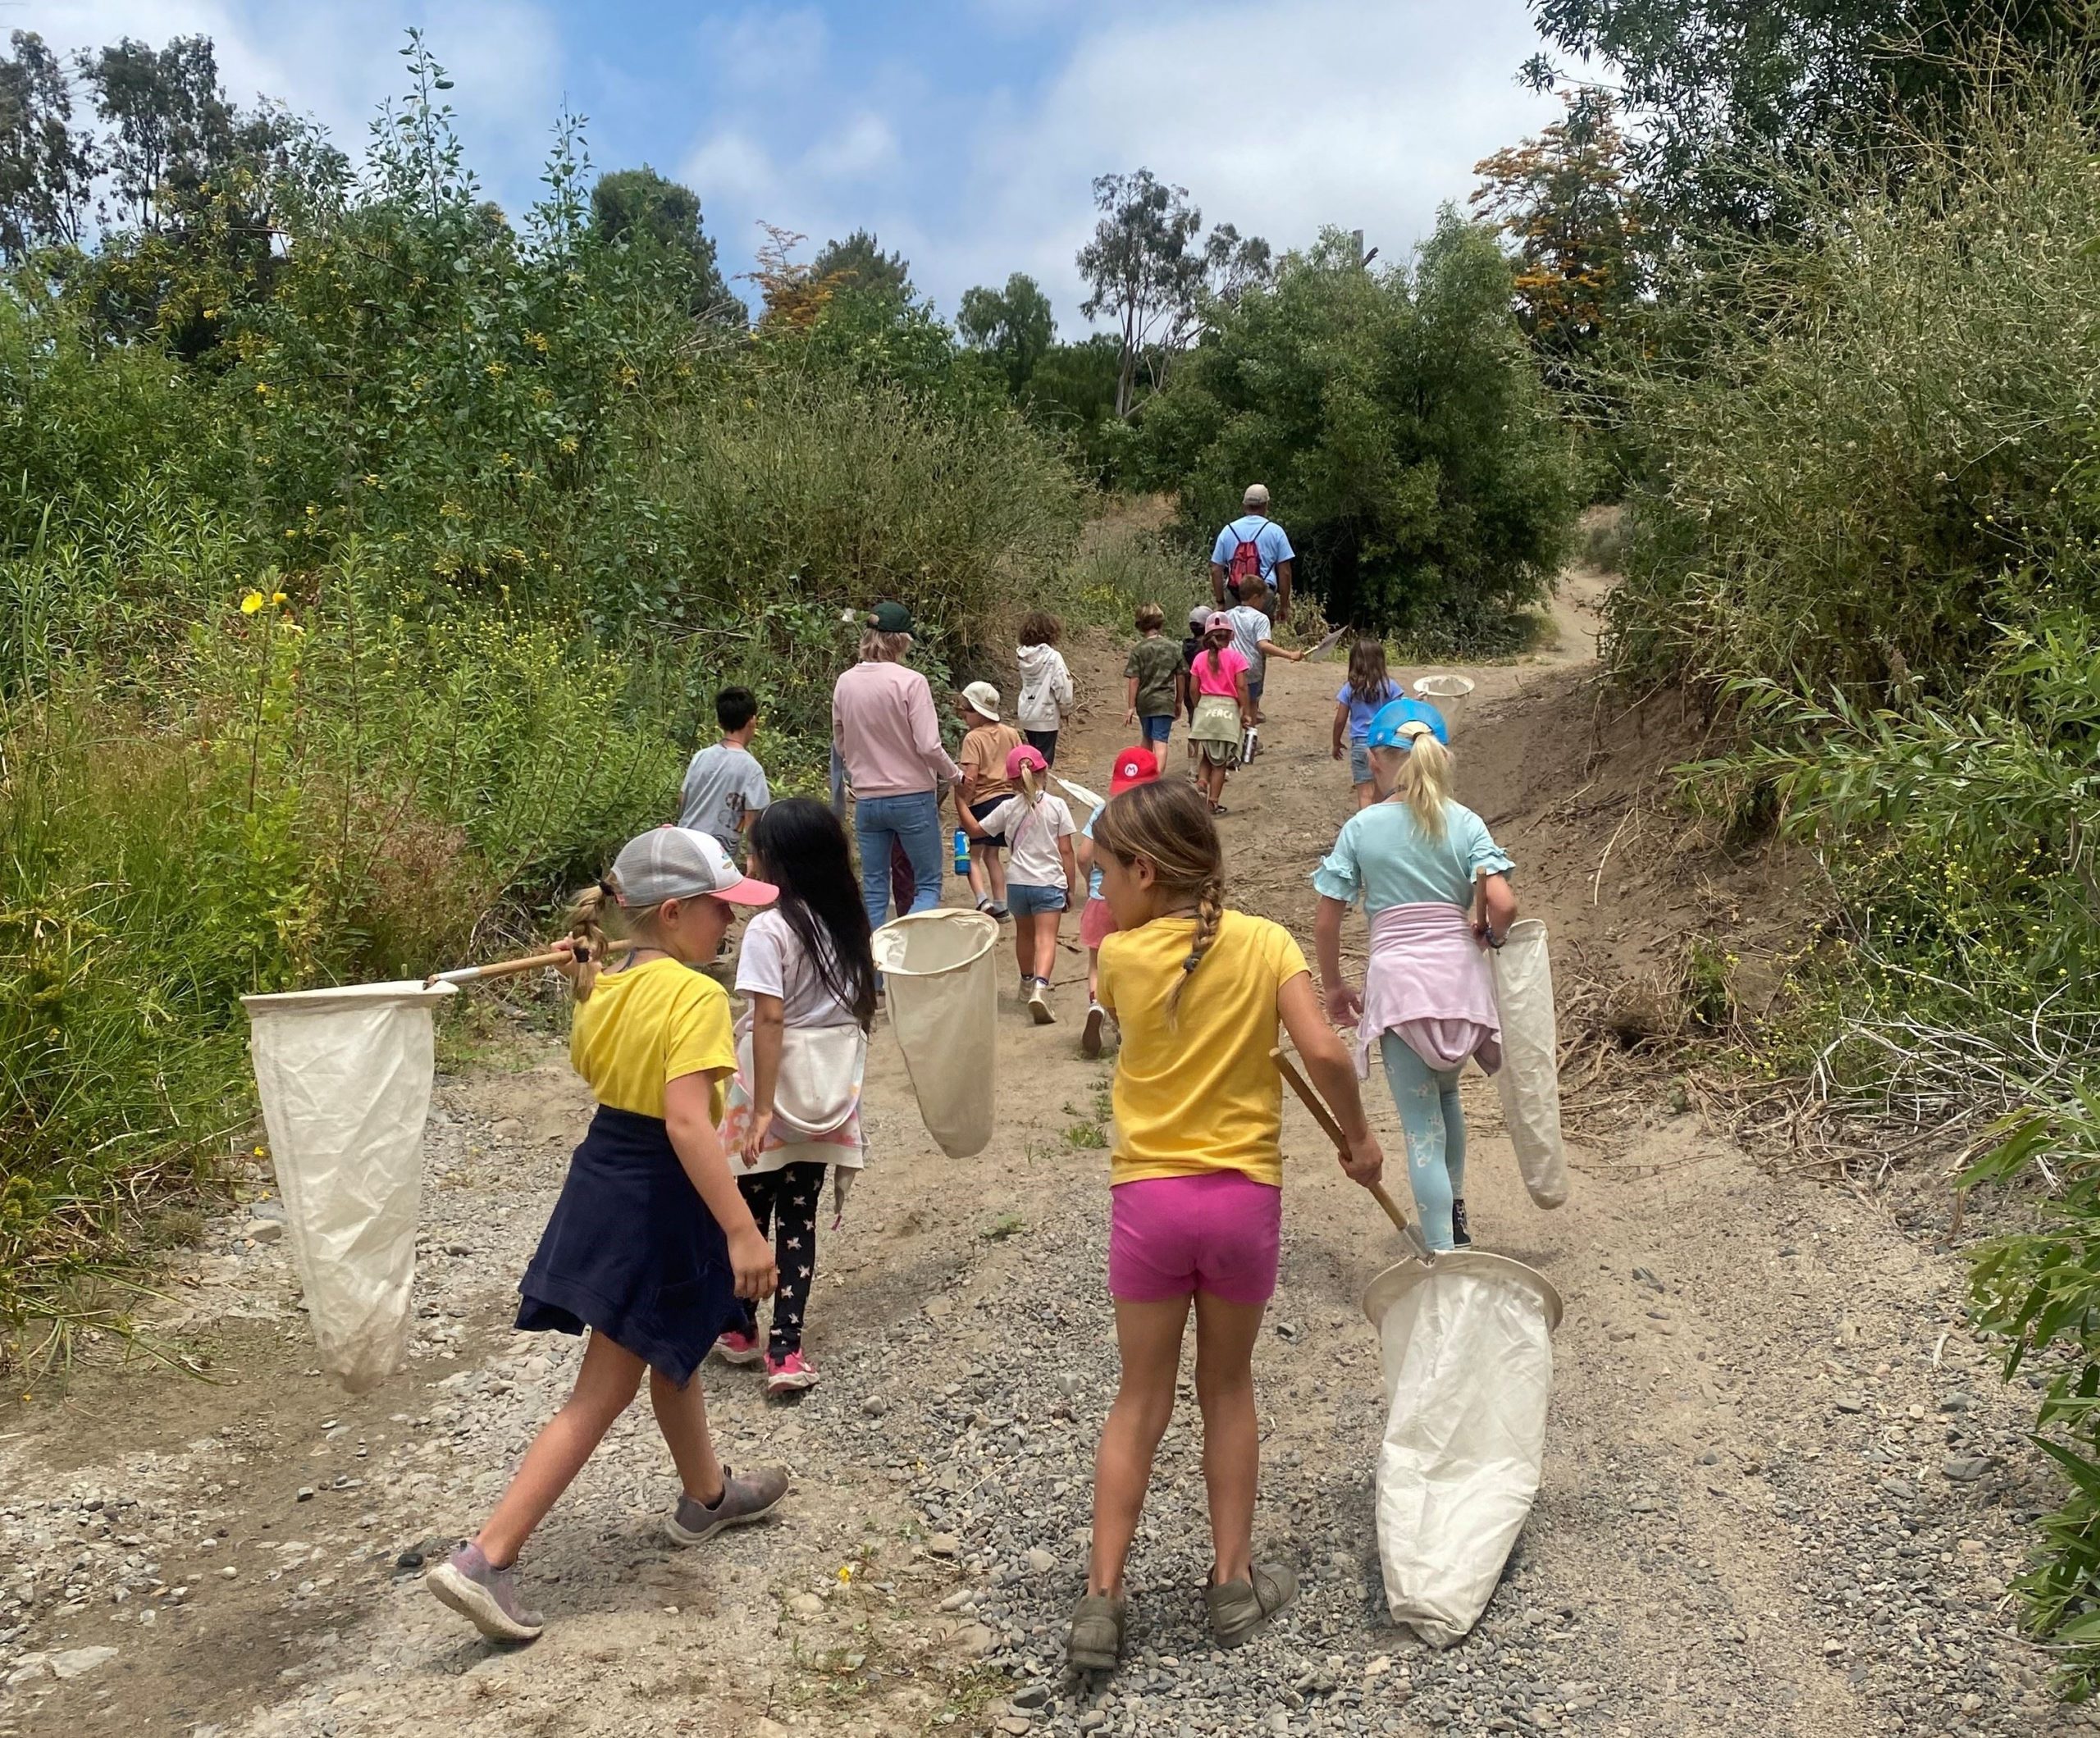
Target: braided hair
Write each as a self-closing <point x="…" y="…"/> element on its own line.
<point x="587" y="928"/>
<point x="1170" y="826"/>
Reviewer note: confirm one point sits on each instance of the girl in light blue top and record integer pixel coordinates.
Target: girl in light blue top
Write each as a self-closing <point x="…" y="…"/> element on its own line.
<point x="1428" y="1002"/>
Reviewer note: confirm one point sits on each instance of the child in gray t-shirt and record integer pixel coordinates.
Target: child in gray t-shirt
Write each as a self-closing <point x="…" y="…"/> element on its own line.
<point x="725" y="787"/>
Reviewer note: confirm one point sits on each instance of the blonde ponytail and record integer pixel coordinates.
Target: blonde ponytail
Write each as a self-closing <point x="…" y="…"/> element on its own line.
<point x="586" y="929"/>
<point x="1031" y="785"/>
<point x="1425" y="780"/>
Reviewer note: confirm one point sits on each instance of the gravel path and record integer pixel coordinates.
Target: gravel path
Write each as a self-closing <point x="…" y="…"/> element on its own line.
<point x="1781" y="1493"/>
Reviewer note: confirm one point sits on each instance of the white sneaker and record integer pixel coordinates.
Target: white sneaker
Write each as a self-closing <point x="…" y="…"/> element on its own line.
<point x="1096" y="1016"/>
<point x="1038" y="1003"/>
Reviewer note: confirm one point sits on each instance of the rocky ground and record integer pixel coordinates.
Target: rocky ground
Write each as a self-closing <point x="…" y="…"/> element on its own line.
<point x="1782" y="1492"/>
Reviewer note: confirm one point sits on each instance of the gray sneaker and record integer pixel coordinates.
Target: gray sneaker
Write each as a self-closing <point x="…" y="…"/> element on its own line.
<point x="1238" y="1609"/>
<point x="743" y="1500"/>
<point x="484" y="1594"/>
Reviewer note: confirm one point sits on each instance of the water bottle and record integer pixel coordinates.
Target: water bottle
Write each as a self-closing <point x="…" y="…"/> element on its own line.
<point x="962" y="852"/>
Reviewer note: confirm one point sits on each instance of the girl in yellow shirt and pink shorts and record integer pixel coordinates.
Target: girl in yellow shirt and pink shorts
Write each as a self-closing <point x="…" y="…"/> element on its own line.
<point x="1197" y="1174"/>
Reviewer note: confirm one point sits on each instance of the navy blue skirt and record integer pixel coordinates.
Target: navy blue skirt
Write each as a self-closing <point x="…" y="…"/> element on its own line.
<point x="632" y="1252"/>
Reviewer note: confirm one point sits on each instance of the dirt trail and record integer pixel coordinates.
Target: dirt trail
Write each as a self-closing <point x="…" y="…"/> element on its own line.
<point x="1780" y="1488"/>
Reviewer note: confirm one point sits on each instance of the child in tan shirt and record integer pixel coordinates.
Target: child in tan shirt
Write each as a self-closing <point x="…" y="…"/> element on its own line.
<point x="984" y="787"/>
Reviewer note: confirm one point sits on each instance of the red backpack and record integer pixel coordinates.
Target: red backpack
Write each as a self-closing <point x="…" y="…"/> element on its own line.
<point x="1247" y="558"/>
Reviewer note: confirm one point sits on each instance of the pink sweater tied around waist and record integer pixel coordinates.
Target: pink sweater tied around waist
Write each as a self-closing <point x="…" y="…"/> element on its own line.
<point x="1428" y="980"/>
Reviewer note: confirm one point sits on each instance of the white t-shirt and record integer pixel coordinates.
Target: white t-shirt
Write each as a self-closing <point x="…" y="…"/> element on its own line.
<point x="1032" y="836"/>
<point x="772" y="961"/>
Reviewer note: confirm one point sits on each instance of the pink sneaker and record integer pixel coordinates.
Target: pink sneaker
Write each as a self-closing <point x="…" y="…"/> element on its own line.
<point x="739" y="1348"/>
<point x="789" y="1375"/>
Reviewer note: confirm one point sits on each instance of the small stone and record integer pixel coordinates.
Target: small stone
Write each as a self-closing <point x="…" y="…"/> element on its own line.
<point x="1017" y="1725"/>
<point x="1963" y="1469"/>
<point x="263" y="1230"/>
<point x="1031" y="1696"/>
<point x="962" y="1599"/>
<point x="806" y="1605"/>
<point x="508" y="1129"/>
<point x="763" y="1728"/>
<point x="975" y="1640"/>
<point x="1040" y="1560"/>
<point x="78" y="1661"/>
<point x="306" y="1493"/>
<point x="1286" y="1331"/>
<point x="409" y="1560"/>
<point x="874" y="1407"/>
<point x="1851" y="1403"/>
<point x="942" y="1545"/>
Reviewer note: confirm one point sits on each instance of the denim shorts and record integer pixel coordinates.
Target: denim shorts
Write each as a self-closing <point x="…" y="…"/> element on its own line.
<point x="1359" y="764"/>
<point x="1024" y="900"/>
<point x="1159" y="729"/>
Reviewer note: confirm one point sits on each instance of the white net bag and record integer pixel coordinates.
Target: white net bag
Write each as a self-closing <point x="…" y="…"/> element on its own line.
<point x="344" y="1078"/>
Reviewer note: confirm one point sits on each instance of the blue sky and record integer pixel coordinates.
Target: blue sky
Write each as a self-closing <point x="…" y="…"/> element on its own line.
<point x="964" y="132"/>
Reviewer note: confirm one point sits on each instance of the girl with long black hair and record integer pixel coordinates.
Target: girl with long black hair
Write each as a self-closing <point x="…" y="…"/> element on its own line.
<point x="806" y="970"/>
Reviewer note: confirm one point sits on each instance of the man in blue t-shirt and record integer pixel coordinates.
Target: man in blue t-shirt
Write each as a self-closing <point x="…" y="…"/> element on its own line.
<point x="1268" y="552"/>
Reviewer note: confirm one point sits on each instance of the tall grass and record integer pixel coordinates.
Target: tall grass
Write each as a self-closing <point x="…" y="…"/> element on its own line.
<point x="1876" y="455"/>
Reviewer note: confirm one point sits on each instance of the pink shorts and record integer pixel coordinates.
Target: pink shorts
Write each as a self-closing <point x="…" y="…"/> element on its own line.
<point x="1096" y="923"/>
<point x="1217" y="1232"/>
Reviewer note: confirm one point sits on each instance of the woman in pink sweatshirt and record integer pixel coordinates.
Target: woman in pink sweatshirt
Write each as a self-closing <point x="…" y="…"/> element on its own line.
<point x="887" y="738"/>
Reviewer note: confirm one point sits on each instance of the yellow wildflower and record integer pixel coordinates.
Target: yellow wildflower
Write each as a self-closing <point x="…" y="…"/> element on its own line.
<point x="252" y="603"/>
<point x="277" y="597"/>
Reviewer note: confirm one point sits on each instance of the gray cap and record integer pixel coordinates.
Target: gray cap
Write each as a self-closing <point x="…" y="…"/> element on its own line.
<point x="677" y="863"/>
<point x="1256" y="495"/>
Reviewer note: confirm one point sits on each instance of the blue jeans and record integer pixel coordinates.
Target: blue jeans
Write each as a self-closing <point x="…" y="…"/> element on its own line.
<point x="913" y="822"/>
<point x="1434" y="1129"/>
<point x="1158" y="728"/>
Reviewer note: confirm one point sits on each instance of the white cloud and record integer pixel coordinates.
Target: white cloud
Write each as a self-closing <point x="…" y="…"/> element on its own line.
<point x="769" y="49"/>
<point x="1278" y="119"/>
<point x="864" y="147"/>
<point x="337" y="60"/>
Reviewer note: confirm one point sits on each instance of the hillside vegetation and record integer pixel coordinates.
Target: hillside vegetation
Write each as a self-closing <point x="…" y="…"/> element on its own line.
<point x="1866" y="534"/>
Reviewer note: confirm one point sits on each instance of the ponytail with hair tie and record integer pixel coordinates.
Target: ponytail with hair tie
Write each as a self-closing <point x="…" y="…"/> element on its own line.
<point x="586" y="929"/>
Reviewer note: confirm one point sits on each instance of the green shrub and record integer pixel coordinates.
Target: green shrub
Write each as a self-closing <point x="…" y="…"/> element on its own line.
<point x="1397" y="418"/>
<point x="1876" y="457"/>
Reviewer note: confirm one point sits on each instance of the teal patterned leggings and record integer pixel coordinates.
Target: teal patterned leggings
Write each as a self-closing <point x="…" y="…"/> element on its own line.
<point x="1435" y="1129"/>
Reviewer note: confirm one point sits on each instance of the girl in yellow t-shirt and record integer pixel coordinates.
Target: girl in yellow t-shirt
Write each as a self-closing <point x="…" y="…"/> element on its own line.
<point x="650" y="1243"/>
<point x="1196" y="1177"/>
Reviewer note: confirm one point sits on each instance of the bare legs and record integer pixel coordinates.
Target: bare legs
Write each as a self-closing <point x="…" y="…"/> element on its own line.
<point x="605" y="1386"/>
<point x="1035" y="944"/>
<point x="1213" y="780"/>
<point x="1149" y="1337"/>
<point x="988" y="872"/>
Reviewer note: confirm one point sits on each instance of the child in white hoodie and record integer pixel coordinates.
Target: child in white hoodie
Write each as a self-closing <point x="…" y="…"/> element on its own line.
<point x="1046" y="685"/>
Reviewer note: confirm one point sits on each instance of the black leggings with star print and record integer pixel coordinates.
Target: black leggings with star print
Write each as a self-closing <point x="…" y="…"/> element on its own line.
<point x="787" y="1199"/>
